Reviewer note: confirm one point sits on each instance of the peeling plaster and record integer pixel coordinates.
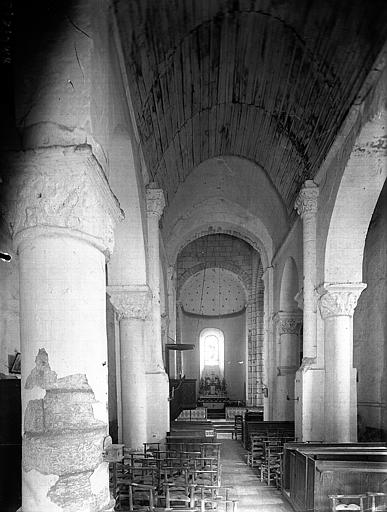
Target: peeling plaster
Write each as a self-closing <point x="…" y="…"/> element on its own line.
<point x="39" y="502"/>
<point x="77" y="486"/>
<point x="63" y="442"/>
<point x="97" y="479"/>
<point x="42" y="375"/>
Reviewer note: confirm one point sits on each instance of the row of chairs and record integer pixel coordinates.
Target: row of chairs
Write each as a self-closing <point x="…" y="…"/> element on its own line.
<point x="369" y="502"/>
<point x="171" y="477"/>
<point x="266" y="454"/>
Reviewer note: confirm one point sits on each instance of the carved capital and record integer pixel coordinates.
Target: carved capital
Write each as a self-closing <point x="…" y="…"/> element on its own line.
<point x="288" y="323"/>
<point x="130" y="302"/>
<point x="306" y="202"/>
<point x="61" y="190"/>
<point x="290" y="326"/>
<point x="339" y="299"/>
<point x="155" y="201"/>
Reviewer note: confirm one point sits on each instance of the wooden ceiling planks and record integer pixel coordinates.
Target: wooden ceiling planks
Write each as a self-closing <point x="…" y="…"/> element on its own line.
<point x="266" y="80"/>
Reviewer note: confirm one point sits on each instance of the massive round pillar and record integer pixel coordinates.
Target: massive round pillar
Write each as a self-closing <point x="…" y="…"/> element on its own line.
<point x="62" y="217"/>
<point x="337" y="305"/>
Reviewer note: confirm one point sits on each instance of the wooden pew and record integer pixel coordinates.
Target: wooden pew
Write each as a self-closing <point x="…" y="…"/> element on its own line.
<point x="290" y="448"/>
<point x="253" y="426"/>
<point x="312" y="473"/>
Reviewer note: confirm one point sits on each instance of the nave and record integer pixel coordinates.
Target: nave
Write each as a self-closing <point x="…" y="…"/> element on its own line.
<point x="202" y="467"/>
<point x="193" y="197"/>
<point x="251" y="493"/>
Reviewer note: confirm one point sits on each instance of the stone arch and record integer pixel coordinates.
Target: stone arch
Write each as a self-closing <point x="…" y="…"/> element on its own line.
<point x="357" y="195"/>
<point x="289" y="286"/>
<point x="264" y="248"/>
<point x="128" y="262"/>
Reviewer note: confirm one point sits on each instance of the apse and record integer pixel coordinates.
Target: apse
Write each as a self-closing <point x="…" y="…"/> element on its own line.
<point x="220" y="311"/>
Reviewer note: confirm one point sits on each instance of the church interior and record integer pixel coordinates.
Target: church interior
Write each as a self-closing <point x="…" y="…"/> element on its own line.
<point x="193" y="255"/>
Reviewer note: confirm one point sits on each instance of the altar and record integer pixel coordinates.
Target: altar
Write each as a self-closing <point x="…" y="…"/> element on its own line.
<point x="213" y="402"/>
<point x="212" y="392"/>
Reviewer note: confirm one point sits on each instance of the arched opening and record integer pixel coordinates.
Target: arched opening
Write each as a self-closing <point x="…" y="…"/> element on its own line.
<point x="212" y="361"/>
<point x="219" y="286"/>
<point x="288" y="328"/>
<point x="370" y="330"/>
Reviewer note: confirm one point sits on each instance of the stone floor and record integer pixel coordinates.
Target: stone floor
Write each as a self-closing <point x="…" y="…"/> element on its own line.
<point x="247" y="488"/>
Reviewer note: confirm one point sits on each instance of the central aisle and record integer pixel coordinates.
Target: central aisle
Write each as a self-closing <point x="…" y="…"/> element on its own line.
<point x="252" y="494"/>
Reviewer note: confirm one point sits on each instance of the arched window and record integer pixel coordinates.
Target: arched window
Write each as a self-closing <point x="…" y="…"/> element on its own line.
<point x="211" y="353"/>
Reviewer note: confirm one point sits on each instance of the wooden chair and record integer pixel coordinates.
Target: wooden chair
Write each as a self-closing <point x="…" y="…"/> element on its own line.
<point x="215" y="498"/>
<point x="270" y="470"/>
<point x="256" y="452"/>
<point x="348" y="502"/>
<point x="377" y="501"/>
<point x="176" y="492"/>
<point x="142" y="497"/>
<point x="238" y="426"/>
<point x="179" y="496"/>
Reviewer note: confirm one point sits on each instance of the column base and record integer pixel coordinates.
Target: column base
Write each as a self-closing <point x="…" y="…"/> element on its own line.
<point x="157" y="390"/>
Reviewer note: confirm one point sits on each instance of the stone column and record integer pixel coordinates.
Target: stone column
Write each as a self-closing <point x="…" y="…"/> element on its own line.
<point x="306" y="206"/>
<point x="267" y="378"/>
<point x="62" y="214"/>
<point x="157" y="379"/>
<point x="155" y="205"/>
<point x="132" y="305"/>
<point x="172" y="319"/>
<point x="337" y="305"/>
<point x="179" y="338"/>
<point x="288" y="329"/>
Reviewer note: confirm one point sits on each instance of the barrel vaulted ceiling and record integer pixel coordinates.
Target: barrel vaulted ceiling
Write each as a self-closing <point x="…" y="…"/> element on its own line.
<point x="267" y="80"/>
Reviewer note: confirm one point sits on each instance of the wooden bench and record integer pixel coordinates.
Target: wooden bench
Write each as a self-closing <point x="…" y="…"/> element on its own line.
<point x="253" y="426"/>
<point x="290" y="448"/>
<point x="313" y="473"/>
